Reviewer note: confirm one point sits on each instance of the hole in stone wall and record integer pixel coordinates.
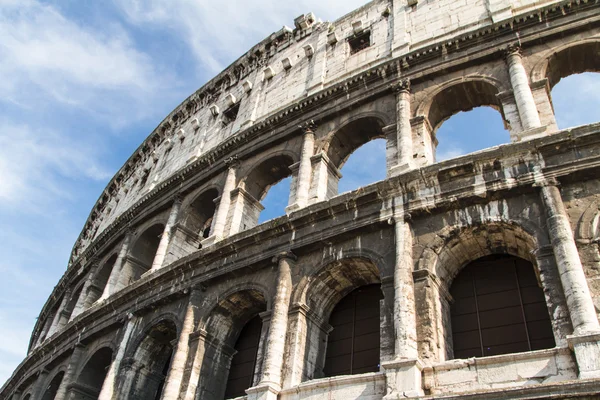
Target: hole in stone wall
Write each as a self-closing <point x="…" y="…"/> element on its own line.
<point x="364" y="166"/>
<point x="359" y="42"/>
<point x="230" y="114"/>
<point x="576" y="100"/>
<point x="469" y="131"/>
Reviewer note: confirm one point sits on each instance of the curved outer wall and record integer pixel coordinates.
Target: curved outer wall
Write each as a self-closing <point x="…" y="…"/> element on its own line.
<point x="172" y="261"/>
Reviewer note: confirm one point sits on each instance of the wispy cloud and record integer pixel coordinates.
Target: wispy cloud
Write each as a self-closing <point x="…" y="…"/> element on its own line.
<point x="34" y="162"/>
<point x="51" y="59"/>
<point x="216" y="34"/>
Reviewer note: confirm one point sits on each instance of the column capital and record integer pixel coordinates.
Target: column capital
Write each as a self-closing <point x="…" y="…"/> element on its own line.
<point x="402" y="85"/>
<point x="402" y="217"/>
<point x="178" y="198"/>
<point x="512" y="49"/>
<point x="284" y="255"/>
<point x="308" y="127"/>
<point x="232" y="162"/>
<point x="547" y="182"/>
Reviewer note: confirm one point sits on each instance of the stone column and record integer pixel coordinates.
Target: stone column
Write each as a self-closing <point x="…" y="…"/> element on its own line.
<point x="305" y="168"/>
<point x="69" y="377"/>
<point x="108" y="391"/>
<point x="270" y="383"/>
<point x="177" y="368"/>
<point x="405" y="323"/>
<point x="403" y="374"/>
<point x="404" y="139"/>
<point x="38" y="389"/>
<point x="58" y="318"/>
<point x="113" y="285"/>
<point x="196" y="365"/>
<point x="81" y="304"/>
<point x="220" y="218"/>
<point x="46" y="328"/>
<point x="520" y="84"/>
<point x="165" y="239"/>
<point x="16" y="395"/>
<point x="585" y="340"/>
<point x="577" y="294"/>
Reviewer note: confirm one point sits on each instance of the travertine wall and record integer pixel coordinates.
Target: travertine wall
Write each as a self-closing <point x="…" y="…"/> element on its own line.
<point x="149" y="282"/>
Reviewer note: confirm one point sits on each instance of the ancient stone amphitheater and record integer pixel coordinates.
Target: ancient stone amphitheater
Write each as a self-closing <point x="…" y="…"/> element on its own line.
<point x="477" y="277"/>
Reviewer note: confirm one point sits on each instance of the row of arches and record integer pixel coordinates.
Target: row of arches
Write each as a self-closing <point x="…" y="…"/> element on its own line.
<point x="268" y="182"/>
<point x="495" y="306"/>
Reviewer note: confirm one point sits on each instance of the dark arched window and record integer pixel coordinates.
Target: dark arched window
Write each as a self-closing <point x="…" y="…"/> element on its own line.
<point x="50" y="392"/>
<point x="498" y="308"/>
<point x="353" y="344"/>
<point x="241" y="372"/>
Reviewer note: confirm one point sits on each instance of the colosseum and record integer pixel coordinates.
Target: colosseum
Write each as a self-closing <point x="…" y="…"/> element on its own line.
<point x="476" y="277"/>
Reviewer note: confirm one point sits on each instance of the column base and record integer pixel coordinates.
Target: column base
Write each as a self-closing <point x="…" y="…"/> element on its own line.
<point x="587" y="353"/>
<point x="400" y="169"/>
<point x="209" y="241"/>
<point x="264" y="391"/>
<point x="532" y="133"/>
<point x="403" y="378"/>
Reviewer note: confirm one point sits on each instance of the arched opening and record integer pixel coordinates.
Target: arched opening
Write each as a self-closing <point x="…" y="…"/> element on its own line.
<point x="353" y="343"/>
<point x="52" y="388"/>
<point x="572" y="76"/>
<point x="200" y="214"/>
<point x="101" y="280"/>
<point x="476" y="127"/>
<point x="243" y="364"/>
<point x="355" y="148"/>
<point x="499" y="308"/>
<point x="93" y="374"/>
<point x="364" y="166"/>
<point x="143" y="251"/>
<point x="470" y="131"/>
<point x="27" y="397"/>
<point x="153" y="356"/>
<point x="347" y="294"/>
<point x="276" y="200"/>
<point x="234" y="325"/>
<point x="254" y="188"/>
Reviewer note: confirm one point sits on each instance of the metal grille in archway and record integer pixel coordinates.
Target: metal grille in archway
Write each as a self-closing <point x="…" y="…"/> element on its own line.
<point x="241" y="372"/>
<point x="498" y="308"/>
<point x="353" y="344"/>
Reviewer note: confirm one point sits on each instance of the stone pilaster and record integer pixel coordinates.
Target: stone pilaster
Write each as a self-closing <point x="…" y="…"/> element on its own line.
<point x="270" y="383"/>
<point x="530" y="118"/>
<point x="220" y="218"/>
<point x="177" y="368"/>
<point x="82" y="301"/>
<point x="403" y="374"/>
<point x="404" y="138"/>
<point x="165" y="239"/>
<point x="305" y="168"/>
<point x="69" y="377"/>
<point x="59" y="318"/>
<point x="197" y="340"/>
<point x="38" y="387"/>
<point x="109" y="387"/>
<point x="113" y="285"/>
<point x="325" y="178"/>
<point x="585" y="340"/>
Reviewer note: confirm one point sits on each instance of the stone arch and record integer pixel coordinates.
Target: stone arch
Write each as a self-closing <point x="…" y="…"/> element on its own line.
<point x="222" y="327"/>
<point x="462" y="94"/>
<point x="355" y="132"/>
<point x="588" y="226"/>
<point x="52" y="385"/>
<point x="142" y="252"/>
<point x="147" y="368"/>
<point x="453" y="249"/>
<point x="101" y="277"/>
<point x="91" y="378"/>
<point x="198" y="214"/>
<point x="572" y="58"/>
<point x="266" y="172"/>
<point x="320" y="292"/>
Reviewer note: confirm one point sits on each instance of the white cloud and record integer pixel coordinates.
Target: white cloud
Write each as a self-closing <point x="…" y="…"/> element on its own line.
<point x="449" y="152"/>
<point x="48" y="58"/>
<point x="34" y="162"/>
<point x="218" y="33"/>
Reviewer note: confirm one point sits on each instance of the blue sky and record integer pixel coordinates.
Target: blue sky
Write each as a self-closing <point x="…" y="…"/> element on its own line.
<point x="85" y="81"/>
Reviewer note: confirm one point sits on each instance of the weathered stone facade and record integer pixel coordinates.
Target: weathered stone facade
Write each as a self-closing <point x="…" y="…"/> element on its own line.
<point x="172" y="263"/>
